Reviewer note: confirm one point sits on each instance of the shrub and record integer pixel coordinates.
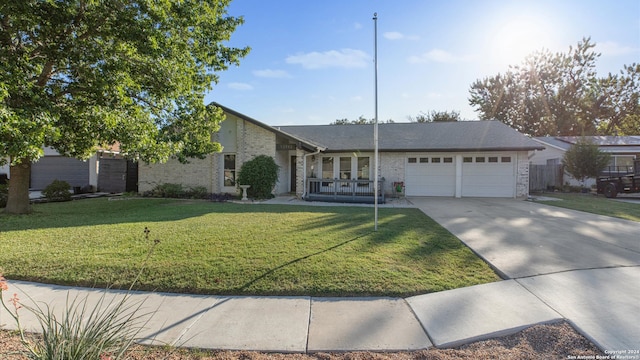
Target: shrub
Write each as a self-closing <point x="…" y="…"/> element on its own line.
<point x="177" y="191"/>
<point x="261" y="173"/>
<point x="4" y="194"/>
<point x="197" y="192"/>
<point x="58" y="190"/>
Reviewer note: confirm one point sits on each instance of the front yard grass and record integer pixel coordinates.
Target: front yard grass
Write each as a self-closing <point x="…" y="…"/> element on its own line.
<point x="237" y="249"/>
<point x="597" y="205"/>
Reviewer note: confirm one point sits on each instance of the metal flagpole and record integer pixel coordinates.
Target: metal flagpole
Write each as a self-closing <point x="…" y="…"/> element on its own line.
<point x="375" y="126"/>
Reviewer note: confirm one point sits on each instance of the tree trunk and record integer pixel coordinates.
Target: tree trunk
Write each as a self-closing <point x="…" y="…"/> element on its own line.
<point x="18" y="200"/>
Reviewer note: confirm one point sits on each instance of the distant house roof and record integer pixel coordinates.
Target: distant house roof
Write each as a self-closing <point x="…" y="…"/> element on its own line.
<point x="434" y="136"/>
<point x="613" y="144"/>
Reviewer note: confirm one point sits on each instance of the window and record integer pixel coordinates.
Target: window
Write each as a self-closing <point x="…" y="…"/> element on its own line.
<point x="327" y="167"/>
<point x="345" y="168"/>
<point x="363" y="168"/>
<point x="479" y="159"/>
<point x="493" y="159"/>
<point x="467" y="159"/>
<point x="448" y="160"/>
<point x="424" y="160"/>
<point x="435" y="160"/>
<point x="412" y="160"/>
<point x="229" y="170"/>
<point x="505" y="159"/>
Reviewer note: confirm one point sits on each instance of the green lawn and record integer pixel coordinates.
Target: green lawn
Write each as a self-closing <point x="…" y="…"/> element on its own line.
<point x="240" y="249"/>
<point x="596" y="205"/>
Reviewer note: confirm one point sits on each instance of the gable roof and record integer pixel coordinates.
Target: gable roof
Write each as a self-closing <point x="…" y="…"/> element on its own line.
<point x="308" y="145"/>
<point x="430" y="137"/>
<point x="614" y="144"/>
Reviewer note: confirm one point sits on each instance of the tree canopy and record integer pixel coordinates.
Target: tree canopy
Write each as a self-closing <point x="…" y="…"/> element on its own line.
<point x="359" y="121"/>
<point x="75" y="75"/>
<point x="436" y="116"/>
<point x="560" y="94"/>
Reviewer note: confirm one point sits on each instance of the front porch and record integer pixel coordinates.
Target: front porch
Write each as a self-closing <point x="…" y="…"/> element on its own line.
<point x="348" y="191"/>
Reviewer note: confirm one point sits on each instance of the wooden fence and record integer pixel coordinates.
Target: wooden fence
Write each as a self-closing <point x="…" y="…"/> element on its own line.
<point x="543" y="177"/>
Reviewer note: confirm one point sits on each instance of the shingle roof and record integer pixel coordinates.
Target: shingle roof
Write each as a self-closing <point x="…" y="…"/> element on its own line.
<point x="606" y="143"/>
<point x="436" y="136"/>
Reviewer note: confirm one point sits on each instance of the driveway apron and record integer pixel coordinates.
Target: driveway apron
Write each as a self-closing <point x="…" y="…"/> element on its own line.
<point x="584" y="266"/>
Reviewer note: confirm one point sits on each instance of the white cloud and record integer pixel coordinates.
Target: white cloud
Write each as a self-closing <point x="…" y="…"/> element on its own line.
<point x="345" y="58"/>
<point x="393" y="35"/>
<point x="357" y="26"/>
<point x="240" y="86"/>
<point x="611" y="48"/>
<point x="356" y="98"/>
<point x="437" y="55"/>
<point x="268" y="73"/>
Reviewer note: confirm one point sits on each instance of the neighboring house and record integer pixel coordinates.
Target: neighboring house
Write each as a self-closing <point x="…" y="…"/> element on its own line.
<point x="623" y="150"/>
<point x="105" y="171"/>
<point x="456" y="159"/>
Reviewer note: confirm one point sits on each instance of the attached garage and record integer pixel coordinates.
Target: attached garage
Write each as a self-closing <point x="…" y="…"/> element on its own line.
<point x="488" y="175"/>
<point x="430" y="175"/>
<point x="467" y="175"/>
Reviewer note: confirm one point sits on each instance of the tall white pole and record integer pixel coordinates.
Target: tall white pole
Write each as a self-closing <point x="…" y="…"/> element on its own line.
<point x="375" y="125"/>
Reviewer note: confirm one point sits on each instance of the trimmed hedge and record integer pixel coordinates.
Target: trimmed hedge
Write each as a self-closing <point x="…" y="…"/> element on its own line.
<point x="261" y="173"/>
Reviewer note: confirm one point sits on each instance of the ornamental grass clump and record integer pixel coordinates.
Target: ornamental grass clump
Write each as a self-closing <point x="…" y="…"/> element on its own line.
<point x="105" y="330"/>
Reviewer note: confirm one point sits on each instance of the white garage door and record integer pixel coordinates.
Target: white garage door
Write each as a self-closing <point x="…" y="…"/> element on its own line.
<point x="431" y="175"/>
<point x="488" y="176"/>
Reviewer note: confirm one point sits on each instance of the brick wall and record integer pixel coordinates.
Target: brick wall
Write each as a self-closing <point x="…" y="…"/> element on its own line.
<point x="522" y="175"/>
<point x="251" y="141"/>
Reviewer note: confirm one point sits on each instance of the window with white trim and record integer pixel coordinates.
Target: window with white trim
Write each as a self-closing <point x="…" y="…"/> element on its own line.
<point x="229" y="169"/>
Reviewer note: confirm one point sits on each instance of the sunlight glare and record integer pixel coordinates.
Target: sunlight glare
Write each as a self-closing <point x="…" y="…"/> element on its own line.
<point x="519" y="36"/>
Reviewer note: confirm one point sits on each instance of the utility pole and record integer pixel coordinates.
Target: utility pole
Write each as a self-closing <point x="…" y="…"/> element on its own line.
<point x="375" y="125"/>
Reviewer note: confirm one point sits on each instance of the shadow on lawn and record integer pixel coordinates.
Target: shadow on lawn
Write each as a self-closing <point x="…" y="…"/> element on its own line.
<point x="90" y="212"/>
<point x="246" y="286"/>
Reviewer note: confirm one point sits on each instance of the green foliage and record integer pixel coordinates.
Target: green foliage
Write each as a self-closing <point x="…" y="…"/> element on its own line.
<point x="83" y="330"/>
<point x="178" y="191"/>
<point x="81" y="74"/>
<point x="261" y="173"/>
<point x="235" y="249"/>
<point x="4" y="193"/>
<point x="359" y="121"/>
<point x="585" y="160"/>
<point x="436" y="116"/>
<point x="58" y="190"/>
<point x="559" y="94"/>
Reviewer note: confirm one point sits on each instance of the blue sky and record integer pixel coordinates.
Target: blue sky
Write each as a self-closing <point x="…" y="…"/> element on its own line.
<point x="312" y="61"/>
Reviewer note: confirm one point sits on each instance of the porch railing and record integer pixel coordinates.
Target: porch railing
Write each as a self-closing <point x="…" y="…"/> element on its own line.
<point x="357" y="191"/>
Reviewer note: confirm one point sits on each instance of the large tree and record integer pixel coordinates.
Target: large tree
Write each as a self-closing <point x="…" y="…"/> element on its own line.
<point x="560" y="94"/>
<point x="78" y="74"/>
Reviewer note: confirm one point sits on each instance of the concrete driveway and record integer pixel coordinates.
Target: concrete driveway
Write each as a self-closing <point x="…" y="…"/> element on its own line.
<point x="584" y="266"/>
<point x="523" y="238"/>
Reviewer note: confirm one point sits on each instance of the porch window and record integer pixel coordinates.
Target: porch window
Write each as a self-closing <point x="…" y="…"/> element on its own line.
<point x="363" y="168"/>
<point x="327" y="167"/>
<point x="345" y="168"/>
<point x="230" y="170"/>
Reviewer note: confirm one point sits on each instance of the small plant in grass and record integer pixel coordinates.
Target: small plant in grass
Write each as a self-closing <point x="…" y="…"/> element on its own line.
<point x="261" y="173"/>
<point x="102" y="331"/>
<point x="58" y="190"/>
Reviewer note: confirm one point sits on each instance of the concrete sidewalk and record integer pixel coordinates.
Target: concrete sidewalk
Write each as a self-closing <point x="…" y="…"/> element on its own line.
<point x="310" y="324"/>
